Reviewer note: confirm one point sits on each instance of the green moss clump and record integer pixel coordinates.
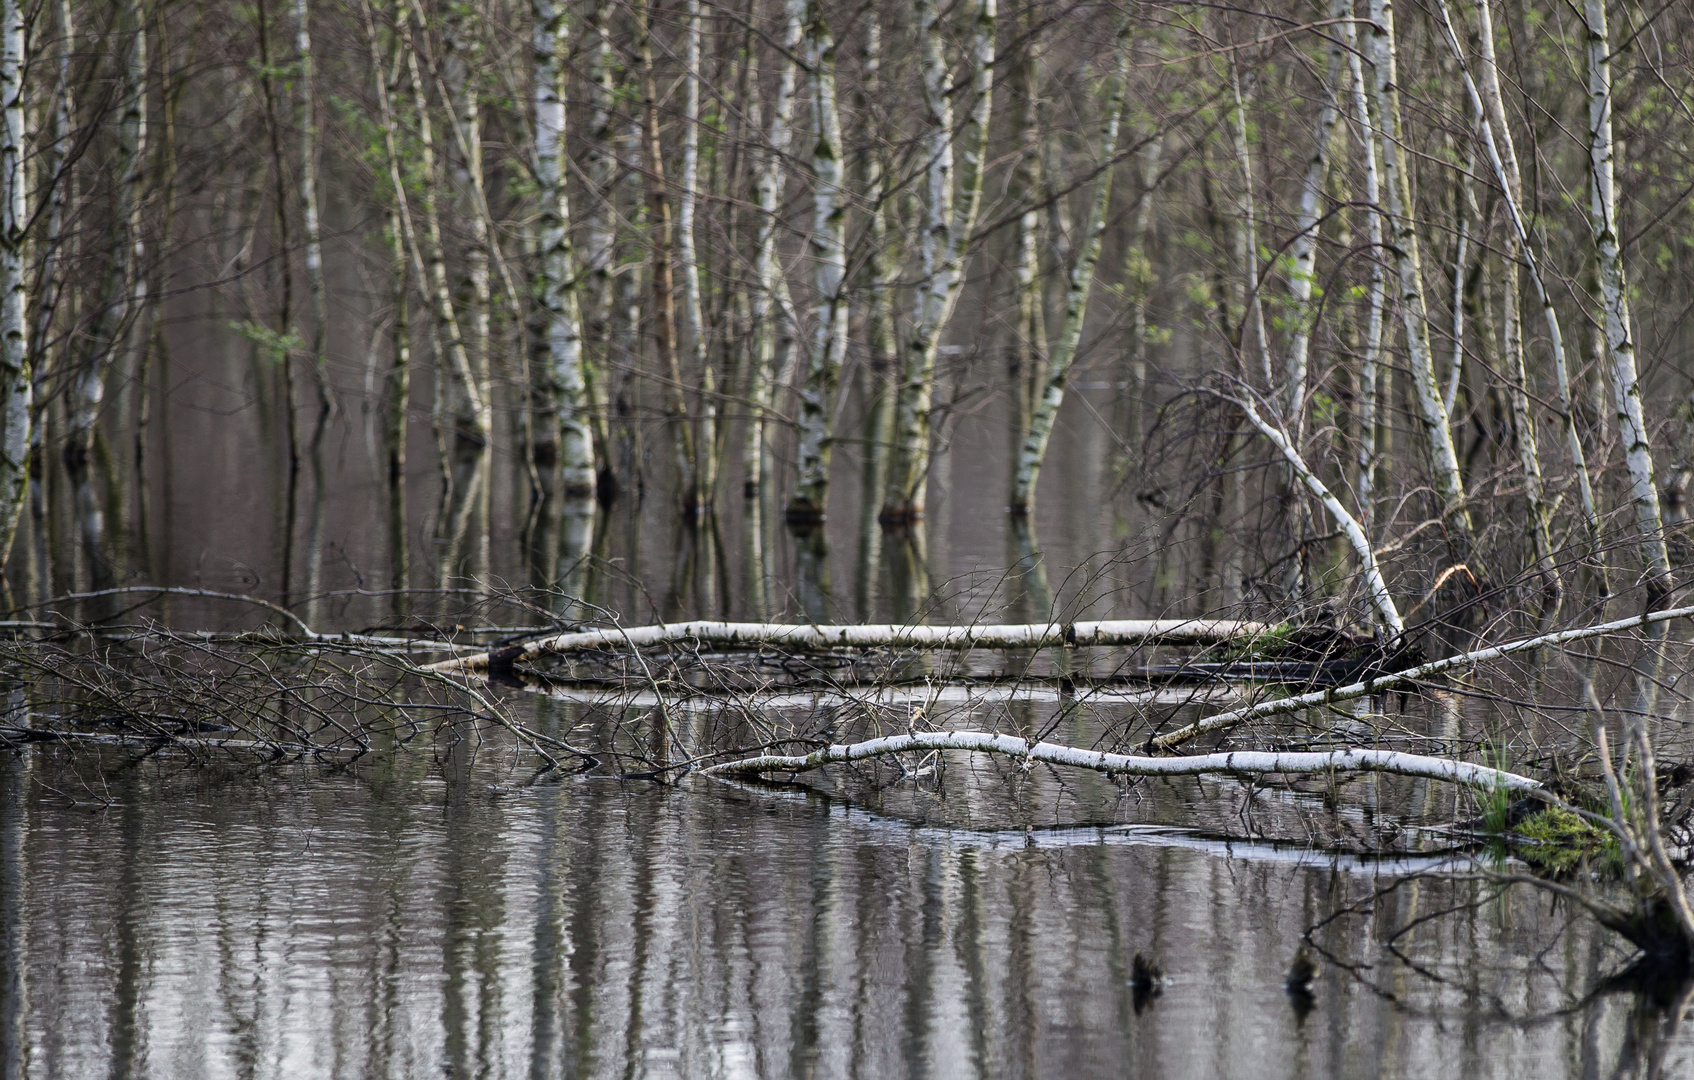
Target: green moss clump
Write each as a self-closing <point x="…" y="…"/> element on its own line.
<point x="1557" y="839"/>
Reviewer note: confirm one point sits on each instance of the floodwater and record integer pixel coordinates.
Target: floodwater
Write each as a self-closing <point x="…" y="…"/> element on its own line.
<point x="453" y="914"/>
<point x="420" y="921"/>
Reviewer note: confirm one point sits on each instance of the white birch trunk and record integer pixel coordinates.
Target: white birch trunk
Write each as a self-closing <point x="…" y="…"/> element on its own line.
<point x="1445" y="477"/>
<point x="15" y="376"/>
<point x="1247" y="231"/>
<point x="1370" y="372"/>
<point x="945" y="243"/>
<point x="1465" y="199"/>
<point x="1305" y="246"/>
<point x="1614" y="296"/>
<point x="560" y="286"/>
<point x="461" y="67"/>
<point x="305" y="84"/>
<point x="705" y="459"/>
<point x="768" y="308"/>
<point x="120" y="301"/>
<point x="1034" y="450"/>
<point x="1247" y="763"/>
<point x="829" y="254"/>
<point x="731" y="635"/>
<point x="1502" y="156"/>
<point x="473" y="414"/>
<point x="601" y="238"/>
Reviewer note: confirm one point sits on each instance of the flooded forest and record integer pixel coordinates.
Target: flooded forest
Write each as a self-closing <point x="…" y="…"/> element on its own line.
<point x="846" y="538"/>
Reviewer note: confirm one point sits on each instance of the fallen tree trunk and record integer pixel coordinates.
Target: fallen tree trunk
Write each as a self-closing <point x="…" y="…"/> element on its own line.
<point x="1242" y="763"/>
<point x="1391" y="680"/>
<point x="803" y="636"/>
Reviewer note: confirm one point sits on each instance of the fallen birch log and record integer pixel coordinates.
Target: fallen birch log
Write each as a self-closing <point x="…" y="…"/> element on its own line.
<point x="1353" y="691"/>
<point x="1239" y="763"/>
<point x="730" y="635"/>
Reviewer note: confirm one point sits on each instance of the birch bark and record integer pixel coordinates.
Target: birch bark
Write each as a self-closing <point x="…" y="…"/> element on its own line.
<point x="768" y="310"/>
<point x="945" y="243"/>
<point x="1305" y="246"/>
<point x="1370" y="373"/>
<point x="1080" y="282"/>
<point x="124" y="279"/>
<point x="15" y="380"/>
<point x="561" y="277"/>
<point x="472" y="413"/>
<point x="1438" y="435"/>
<point x="704" y="481"/>
<point x="314" y="255"/>
<point x="1492" y="117"/>
<point x="1614" y="296"/>
<point x="810" y="501"/>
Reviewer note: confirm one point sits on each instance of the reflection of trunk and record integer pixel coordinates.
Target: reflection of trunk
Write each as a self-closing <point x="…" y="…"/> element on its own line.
<point x="811" y="575"/>
<point x="1034" y="596"/>
<point x="1404" y="246"/>
<point x="755" y="572"/>
<point x="15" y="377"/>
<point x="1614" y="295"/>
<point x="575" y="562"/>
<point x="1046" y="411"/>
<point x="461" y="532"/>
<point x="560" y="346"/>
<point x="829" y="251"/>
<point x="946" y="240"/>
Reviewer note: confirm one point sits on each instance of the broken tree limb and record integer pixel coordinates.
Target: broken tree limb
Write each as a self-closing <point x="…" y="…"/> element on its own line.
<point x="1350" y="527"/>
<point x="804" y="636"/>
<point x="1389" y="681"/>
<point x="1240" y="763"/>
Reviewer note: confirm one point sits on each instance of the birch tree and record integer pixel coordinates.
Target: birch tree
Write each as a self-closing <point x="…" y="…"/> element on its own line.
<point x="1614" y="299"/>
<point x="305" y="85"/>
<point x="704" y="480"/>
<point x="1405" y="248"/>
<point x="119" y="299"/>
<point x="946" y="240"/>
<point x="767" y="309"/>
<point x="560" y="347"/>
<point x="15" y="374"/>
<point x="1077" y="287"/>
<point x="810" y="501"/>
<point x="1303" y="251"/>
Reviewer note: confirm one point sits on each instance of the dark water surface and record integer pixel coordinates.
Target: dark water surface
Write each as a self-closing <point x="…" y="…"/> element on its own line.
<point x="423" y="921"/>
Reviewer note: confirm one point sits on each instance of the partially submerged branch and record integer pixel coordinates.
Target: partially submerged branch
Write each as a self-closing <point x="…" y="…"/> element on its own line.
<point x="1243" y="763"/>
<point x="1398" y="679"/>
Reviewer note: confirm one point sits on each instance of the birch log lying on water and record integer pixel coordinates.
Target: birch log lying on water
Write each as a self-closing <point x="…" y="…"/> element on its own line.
<point x="1240" y="763"/>
<point x="731" y="635"/>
